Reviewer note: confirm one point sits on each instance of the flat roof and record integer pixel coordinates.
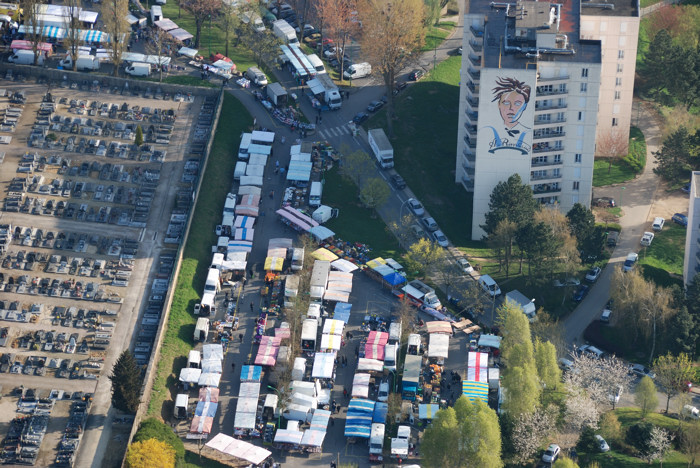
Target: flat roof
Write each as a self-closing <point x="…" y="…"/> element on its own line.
<point x="611" y="8"/>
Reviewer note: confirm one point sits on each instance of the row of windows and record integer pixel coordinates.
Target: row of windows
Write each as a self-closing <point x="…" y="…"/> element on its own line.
<point x="556" y="159"/>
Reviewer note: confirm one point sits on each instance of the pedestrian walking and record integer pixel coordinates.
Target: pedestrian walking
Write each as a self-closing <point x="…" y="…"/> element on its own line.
<point x="233" y="366"/>
<point x="251" y="304"/>
<point x="240" y="337"/>
<point x="345" y="392"/>
<point x="332" y="421"/>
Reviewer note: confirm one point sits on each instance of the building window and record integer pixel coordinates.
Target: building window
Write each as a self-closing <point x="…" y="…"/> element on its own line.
<point x="584" y="87"/>
<point x="584" y="73"/>
<point x="617" y="95"/>
<point x="614" y="122"/>
<point x="618" y="81"/>
<point x="560" y="117"/>
<point x="539" y="160"/>
<point x="557" y="158"/>
<point x="556" y="172"/>
<point x="580" y="115"/>
<point x="576" y="183"/>
<point x="619" y="68"/>
<point x="577" y="157"/>
<point x="620" y="54"/>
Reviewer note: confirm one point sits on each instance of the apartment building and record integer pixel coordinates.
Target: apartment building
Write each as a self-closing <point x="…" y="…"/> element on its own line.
<point x="529" y="100"/>
<point x="691" y="262"/>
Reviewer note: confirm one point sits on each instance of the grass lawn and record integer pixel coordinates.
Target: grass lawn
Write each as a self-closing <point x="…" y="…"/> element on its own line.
<point x="615" y="459"/>
<point x="425" y="146"/>
<point x="667" y="250"/>
<point x="435" y="35"/>
<point x="355" y="223"/>
<point x="197" y="255"/>
<point x="605" y="174"/>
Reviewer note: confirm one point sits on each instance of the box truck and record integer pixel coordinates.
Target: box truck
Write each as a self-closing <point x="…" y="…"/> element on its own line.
<point x="138" y="69"/>
<point x="315" y="192"/>
<point x="25" y="57"/>
<point x="324" y="90"/>
<point x="285" y="32"/>
<point x="381" y="148"/>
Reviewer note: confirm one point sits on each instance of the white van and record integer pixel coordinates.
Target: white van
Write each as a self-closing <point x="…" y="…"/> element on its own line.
<point x="690" y="411"/>
<point x="25" y="57"/>
<point x="84" y="62"/>
<point x="489" y="285"/>
<point x="315" y="193"/>
<point x="213" y="283"/>
<point x="658" y="223"/>
<point x="256" y="76"/>
<point x="358" y="70"/>
<point x="297" y="259"/>
<point x="390" y="353"/>
<point x="156" y="13"/>
<point x="316" y="63"/>
<point x="138" y="69"/>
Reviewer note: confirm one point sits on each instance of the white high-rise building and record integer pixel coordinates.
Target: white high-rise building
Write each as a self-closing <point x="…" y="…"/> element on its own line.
<point x="691" y="262"/>
<point x="529" y="101"/>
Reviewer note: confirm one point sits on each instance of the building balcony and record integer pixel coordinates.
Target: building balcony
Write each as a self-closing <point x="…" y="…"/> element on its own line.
<point x="472" y="87"/>
<point x="469" y="142"/>
<point x="469" y="155"/>
<point x="473" y="101"/>
<point x="472" y="116"/>
<point x="539" y="189"/>
<point x="477" y="32"/>
<point x="476" y="46"/>
<point x="468" y="184"/>
<point x="543" y="148"/>
<point x="471" y="129"/>
<point x="542" y="107"/>
<point x="556" y="78"/>
<point x="553" y="92"/>
<point x="469" y="170"/>
<point x="539" y="135"/>
<point x="475" y="60"/>
<point x="475" y="74"/>
<point x="549" y="162"/>
<point x="549" y="121"/>
<point x="544" y="177"/>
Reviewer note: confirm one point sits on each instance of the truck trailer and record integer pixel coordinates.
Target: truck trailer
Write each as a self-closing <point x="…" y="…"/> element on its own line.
<point x="381" y="147"/>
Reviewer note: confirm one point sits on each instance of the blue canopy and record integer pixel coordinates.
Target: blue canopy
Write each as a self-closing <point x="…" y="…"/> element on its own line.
<point x="357" y="431"/>
<point x="380" y="411"/>
<point x="342" y="307"/>
<point x="321" y="232"/>
<point x="394" y="279"/>
<point x="361" y="405"/>
<point x="206" y="409"/>
<point x="344" y="316"/>
<point x="251" y="373"/>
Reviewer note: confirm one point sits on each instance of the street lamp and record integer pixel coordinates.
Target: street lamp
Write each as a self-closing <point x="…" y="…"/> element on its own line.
<point x="279" y="395"/>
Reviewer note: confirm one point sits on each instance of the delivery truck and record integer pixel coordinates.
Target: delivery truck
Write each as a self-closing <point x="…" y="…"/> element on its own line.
<point x="376" y="442"/>
<point x="201" y="329"/>
<point x="284" y="32"/>
<point x="325" y="92"/>
<point x="420" y="293"/>
<point x="410" y="382"/>
<point x="381" y="148"/>
<point x="309" y="331"/>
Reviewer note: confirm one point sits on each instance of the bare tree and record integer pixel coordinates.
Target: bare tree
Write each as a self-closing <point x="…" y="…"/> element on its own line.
<point x="340" y="20"/>
<point x="160" y="45"/>
<point x="33" y="25"/>
<point x="392" y="36"/>
<point x="232" y="21"/>
<point x="612" y="144"/>
<point x="402" y="230"/>
<point x="71" y="24"/>
<point x="690" y="442"/>
<point x="264" y="45"/>
<point x="114" y="16"/>
<point x="201" y="10"/>
<point x="503" y="238"/>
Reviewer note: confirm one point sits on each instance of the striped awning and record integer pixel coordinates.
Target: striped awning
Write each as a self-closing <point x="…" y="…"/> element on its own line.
<point x="49" y="32"/>
<point x="93" y="35"/>
<point x="475" y="390"/>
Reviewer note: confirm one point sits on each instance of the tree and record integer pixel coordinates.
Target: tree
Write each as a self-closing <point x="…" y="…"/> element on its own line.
<point x="152" y="428"/>
<point x="264" y="45"/>
<point x="432" y="11"/>
<point x="356" y="166"/>
<point x="659" y="445"/>
<point x="673" y="157"/>
<point x="599" y="379"/>
<point x="530" y="432"/>
<point x="613" y="144"/>
<point x="549" y="328"/>
<point x="374" y="193"/>
<point x="150" y="453"/>
<point x="511" y="200"/>
<point x="160" y="46"/>
<point x="589" y="237"/>
<point x="690" y="442"/>
<point x="33" y="24"/>
<point x="657" y="59"/>
<point x="138" y="139"/>
<point x="672" y="374"/>
<point x="126" y="383"/>
<point x="610" y="427"/>
<point x="682" y="76"/>
<point x="466" y="435"/>
<point x="564" y="255"/>
<point x="547" y="366"/>
<point x="114" y="16"/>
<point x="392" y="37"/>
<point x="537" y="243"/>
<point x="519" y="377"/>
<point x="71" y="23"/>
<point x="565" y="462"/>
<point x="423" y="255"/>
<point x="402" y="230"/>
<point x="503" y="238"/>
<point x="645" y="396"/>
<point x="340" y="22"/>
<point x="201" y="10"/>
<point x="232" y="24"/>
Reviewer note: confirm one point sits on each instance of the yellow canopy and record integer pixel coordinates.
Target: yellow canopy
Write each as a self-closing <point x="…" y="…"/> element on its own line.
<point x="273" y="264"/>
<point x="375" y="262"/>
<point x="324" y="254"/>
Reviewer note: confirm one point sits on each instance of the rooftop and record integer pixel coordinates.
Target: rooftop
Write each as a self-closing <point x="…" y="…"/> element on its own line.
<point x="610" y="8"/>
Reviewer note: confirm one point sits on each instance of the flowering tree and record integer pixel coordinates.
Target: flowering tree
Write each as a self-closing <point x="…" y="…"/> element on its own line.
<point x="530" y="432"/>
<point x="659" y="444"/>
<point x="600" y="379"/>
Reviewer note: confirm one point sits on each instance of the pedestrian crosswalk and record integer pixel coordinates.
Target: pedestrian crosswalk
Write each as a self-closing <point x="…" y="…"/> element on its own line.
<point x="334" y="131"/>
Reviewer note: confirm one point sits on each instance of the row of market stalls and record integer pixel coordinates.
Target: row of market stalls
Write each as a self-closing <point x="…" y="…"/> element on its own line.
<point x="174" y="31"/>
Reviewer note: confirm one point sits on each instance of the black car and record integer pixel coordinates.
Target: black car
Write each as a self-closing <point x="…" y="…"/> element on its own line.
<point x="581" y="292"/>
<point x="416" y="74"/>
<point x="374" y="106"/>
<point x="398" y="182"/>
<point x="360" y="117"/>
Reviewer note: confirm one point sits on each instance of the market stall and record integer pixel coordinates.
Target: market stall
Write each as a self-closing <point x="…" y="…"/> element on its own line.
<point x="244" y="234"/>
<point x="239" y="449"/>
<point x="267" y="351"/>
<point x="427" y="411"/>
<point x="209" y="394"/>
<point x="211" y="366"/>
<point x="244" y="222"/>
<point x="321" y="233"/>
<point x="438" y="327"/>
<point x="374" y="346"/>
<point x="330" y="343"/>
<point x="209" y="379"/>
<point x="324" y="366"/>
<point x="438" y="345"/>
<point x="343" y="265"/>
<point x="324" y="254"/>
<point x="190" y="375"/>
<point x="194" y="359"/>
<point x="370" y="365"/>
<point x="360" y="385"/>
<point x="358" y="421"/>
<point x="333" y="327"/>
<point x="342" y="311"/>
<point x="239" y="246"/>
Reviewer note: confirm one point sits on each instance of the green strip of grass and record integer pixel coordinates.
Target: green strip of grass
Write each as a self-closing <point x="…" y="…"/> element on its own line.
<point x="667" y="250"/>
<point x="607" y="173"/>
<point x="197" y="255"/>
<point x="436" y="35"/>
<point x="425" y="144"/>
<point x="356" y="223"/>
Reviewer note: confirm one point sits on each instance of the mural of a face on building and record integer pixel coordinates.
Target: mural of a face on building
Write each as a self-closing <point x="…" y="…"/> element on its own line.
<point x="512" y="97"/>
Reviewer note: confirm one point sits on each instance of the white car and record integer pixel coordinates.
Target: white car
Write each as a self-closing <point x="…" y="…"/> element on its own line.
<point x="440" y="238"/>
<point x="641" y="371"/>
<point x="567" y="282"/>
<point x="464" y="265"/>
<point x="630" y="261"/>
<point x="383" y="394"/>
<point x="415" y="206"/>
<point x="604" y="447"/>
<point x="647" y="238"/>
<point x="616" y="397"/>
<point x="593" y="274"/>
<point x="551" y="454"/>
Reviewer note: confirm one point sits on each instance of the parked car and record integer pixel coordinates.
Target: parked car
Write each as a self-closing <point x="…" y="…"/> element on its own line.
<point x="686" y="188"/>
<point x="680" y="218"/>
<point x="602" y="445"/>
<point x="415" y="206"/>
<point x="360" y="117"/>
<point x="416" y="74"/>
<point x="398" y="182"/>
<point x="604" y="202"/>
<point x="567" y="282"/>
<point x="630" y="261"/>
<point x="374" y="106"/>
<point x="440" y="238"/>
<point x="464" y="265"/>
<point x="591" y="351"/>
<point x="551" y="454"/>
<point x="431" y="224"/>
<point x="581" y="292"/>
<point x="641" y="371"/>
<point x="417" y="231"/>
<point x="593" y="274"/>
<point x="383" y="394"/>
<point x="658" y="223"/>
<point x="647" y="238"/>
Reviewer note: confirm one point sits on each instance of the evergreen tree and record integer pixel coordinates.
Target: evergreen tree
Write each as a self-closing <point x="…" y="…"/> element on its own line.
<point x="673" y="159"/>
<point x="126" y="383"/>
<point x="138" y="140"/>
<point x="511" y="200"/>
<point x="658" y="58"/>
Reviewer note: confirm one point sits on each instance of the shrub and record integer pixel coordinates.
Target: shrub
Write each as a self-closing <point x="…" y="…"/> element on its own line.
<point x="611" y="429"/>
<point x="152" y="428"/>
<point x="587" y="442"/>
<point x="639" y="435"/>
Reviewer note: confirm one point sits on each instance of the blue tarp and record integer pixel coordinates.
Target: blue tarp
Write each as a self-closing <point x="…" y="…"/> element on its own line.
<point x="251" y="373"/>
<point x="342" y="307"/>
<point x="357" y="431"/>
<point x="380" y="411"/>
<point x="321" y="232"/>
<point x="361" y="405"/>
<point x="206" y="409"/>
<point x="344" y="316"/>
<point x="319" y="421"/>
<point x="394" y="279"/>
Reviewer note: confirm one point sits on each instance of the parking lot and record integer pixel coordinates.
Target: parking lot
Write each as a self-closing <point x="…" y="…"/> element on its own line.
<point x="88" y="230"/>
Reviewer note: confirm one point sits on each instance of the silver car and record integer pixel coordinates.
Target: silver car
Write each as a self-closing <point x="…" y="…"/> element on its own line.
<point x="415" y="206"/>
<point x="440" y="238"/>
